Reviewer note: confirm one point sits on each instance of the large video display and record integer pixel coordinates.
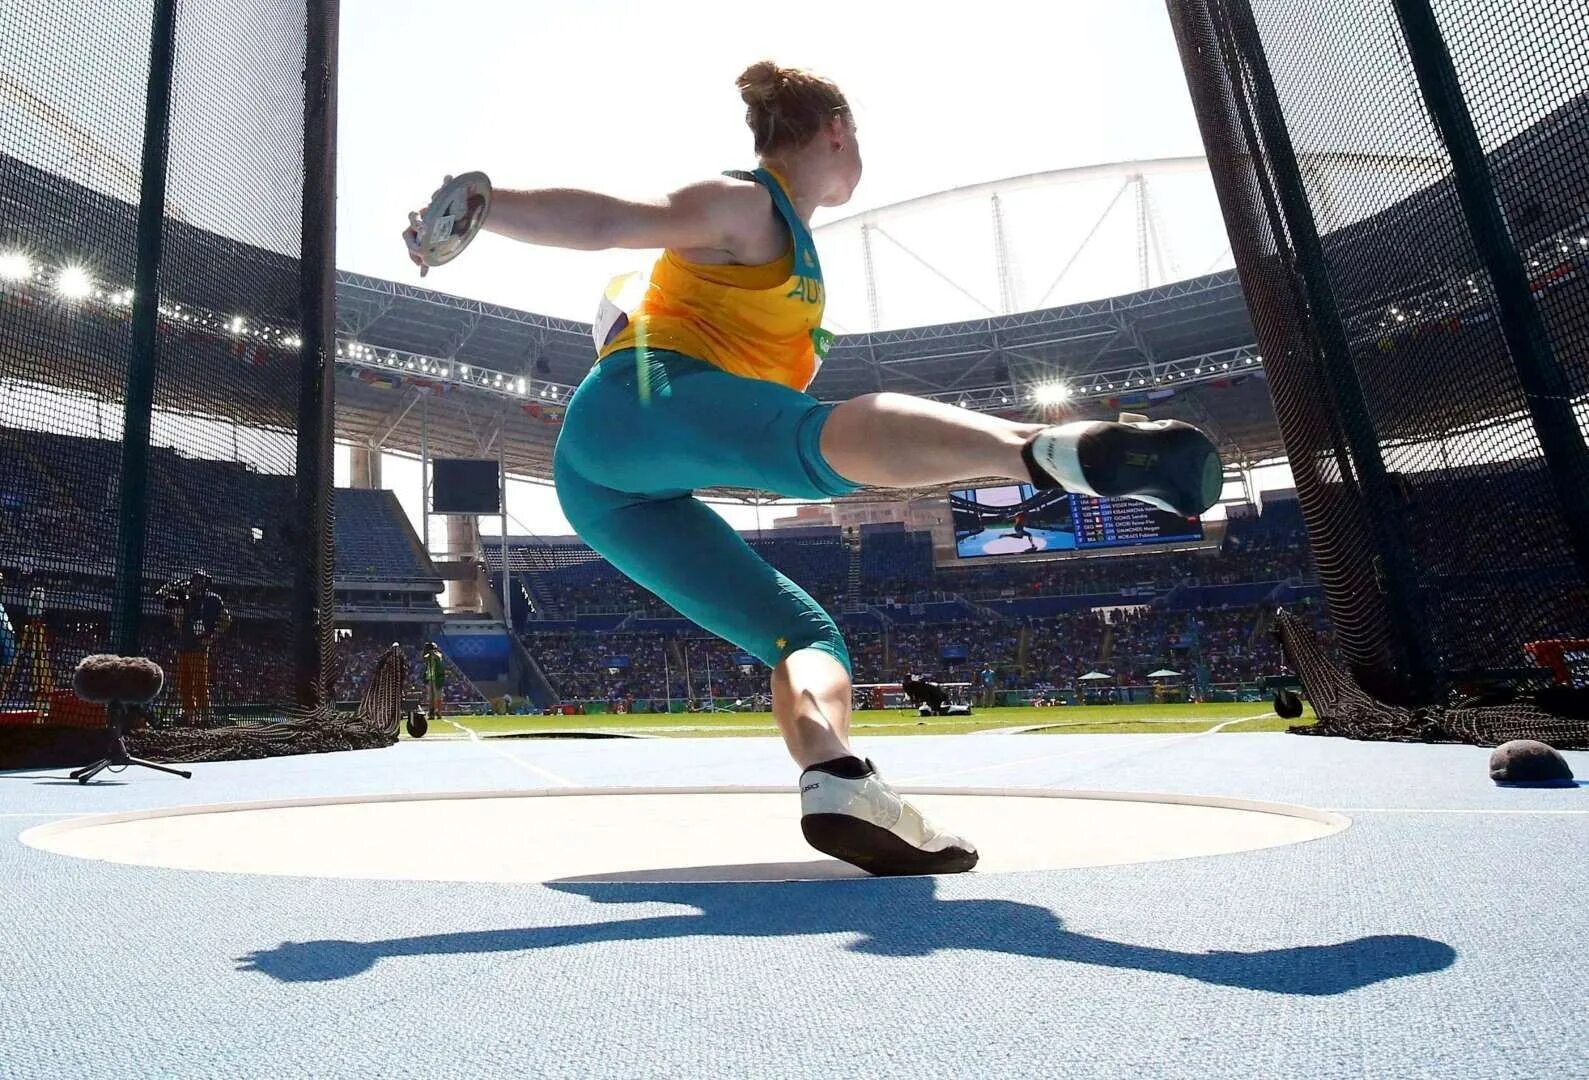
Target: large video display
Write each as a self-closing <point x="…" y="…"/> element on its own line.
<point x="1017" y="519"/>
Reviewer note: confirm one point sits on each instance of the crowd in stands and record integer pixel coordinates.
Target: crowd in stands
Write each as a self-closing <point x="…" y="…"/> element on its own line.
<point x="59" y="506"/>
<point x="936" y="621"/>
<point x="1035" y="625"/>
<point x="1226" y="646"/>
<point x="685" y="666"/>
<point x="590" y="586"/>
<point x="249" y="664"/>
<point x="586" y="666"/>
<point x="1062" y="648"/>
<point x="1233" y="563"/>
<point x="897" y="569"/>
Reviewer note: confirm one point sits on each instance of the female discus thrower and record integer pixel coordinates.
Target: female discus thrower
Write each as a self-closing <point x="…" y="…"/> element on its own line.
<point x="704" y="386"/>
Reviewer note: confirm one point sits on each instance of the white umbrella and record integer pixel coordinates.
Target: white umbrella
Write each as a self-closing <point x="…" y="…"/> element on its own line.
<point x="1094" y="676"/>
<point x="1164" y="673"/>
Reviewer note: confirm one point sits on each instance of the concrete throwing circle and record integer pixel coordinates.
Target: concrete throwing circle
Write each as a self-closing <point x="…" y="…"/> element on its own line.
<point x="657" y="834"/>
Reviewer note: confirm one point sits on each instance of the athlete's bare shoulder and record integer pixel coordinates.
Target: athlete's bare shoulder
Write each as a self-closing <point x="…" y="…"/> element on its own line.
<point x="744" y="210"/>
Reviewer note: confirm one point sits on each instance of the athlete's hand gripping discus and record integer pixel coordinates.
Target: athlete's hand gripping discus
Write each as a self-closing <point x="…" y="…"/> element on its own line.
<point x="438" y="234"/>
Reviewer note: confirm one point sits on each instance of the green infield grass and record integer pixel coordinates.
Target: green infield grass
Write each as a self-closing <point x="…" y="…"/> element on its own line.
<point x="1061" y="720"/>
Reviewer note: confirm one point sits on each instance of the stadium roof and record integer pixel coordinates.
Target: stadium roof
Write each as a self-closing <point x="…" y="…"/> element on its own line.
<point x="1063" y="236"/>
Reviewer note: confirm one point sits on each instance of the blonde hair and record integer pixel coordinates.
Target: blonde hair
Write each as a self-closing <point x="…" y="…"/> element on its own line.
<point x="786" y="108"/>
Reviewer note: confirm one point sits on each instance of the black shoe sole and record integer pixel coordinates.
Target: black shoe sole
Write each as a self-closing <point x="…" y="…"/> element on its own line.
<point x="1176" y="464"/>
<point x="878" y="851"/>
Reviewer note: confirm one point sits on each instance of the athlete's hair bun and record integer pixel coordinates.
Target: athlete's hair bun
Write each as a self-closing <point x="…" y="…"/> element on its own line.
<point x="786" y="107"/>
<point x="758" y="84"/>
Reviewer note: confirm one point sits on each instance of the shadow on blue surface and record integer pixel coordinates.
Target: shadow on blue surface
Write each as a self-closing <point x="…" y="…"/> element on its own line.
<point x="900" y="917"/>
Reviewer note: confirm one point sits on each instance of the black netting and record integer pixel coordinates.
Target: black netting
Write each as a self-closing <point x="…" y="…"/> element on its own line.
<point x="189" y="141"/>
<point x="1344" y="709"/>
<point x="221" y="484"/>
<point x="1407" y="192"/>
<point x="374" y="723"/>
<point x="70" y="145"/>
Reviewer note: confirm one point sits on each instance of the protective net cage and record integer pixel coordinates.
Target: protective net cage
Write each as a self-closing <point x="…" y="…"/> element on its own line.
<point x="1345" y="708"/>
<point x="1406" y="188"/>
<point x="165" y="397"/>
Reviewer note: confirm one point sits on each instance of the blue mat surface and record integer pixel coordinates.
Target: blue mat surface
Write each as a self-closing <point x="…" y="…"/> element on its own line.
<point x="1443" y="935"/>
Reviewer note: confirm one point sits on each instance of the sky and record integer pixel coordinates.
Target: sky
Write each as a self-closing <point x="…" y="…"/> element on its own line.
<point x="639" y="98"/>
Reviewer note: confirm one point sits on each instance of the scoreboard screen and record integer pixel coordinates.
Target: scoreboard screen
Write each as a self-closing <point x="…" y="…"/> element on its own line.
<point x="465" y="486"/>
<point x="1018" y="519"/>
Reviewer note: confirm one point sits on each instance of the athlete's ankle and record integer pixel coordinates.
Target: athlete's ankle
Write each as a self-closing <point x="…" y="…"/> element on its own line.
<point x="821" y="753"/>
<point x="1035" y="473"/>
<point x="847" y="766"/>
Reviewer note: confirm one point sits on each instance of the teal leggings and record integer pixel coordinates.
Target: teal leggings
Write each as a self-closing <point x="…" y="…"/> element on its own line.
<point x="640" y="435"/>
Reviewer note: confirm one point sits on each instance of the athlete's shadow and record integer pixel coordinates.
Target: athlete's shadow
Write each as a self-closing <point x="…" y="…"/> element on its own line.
<point x="899" y="917"/>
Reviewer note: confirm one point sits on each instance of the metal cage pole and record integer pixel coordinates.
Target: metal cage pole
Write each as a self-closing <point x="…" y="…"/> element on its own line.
<point x="424" y="471"/>
<point x="502" y="481"/>
<point x="313" y="596"/>
<point x="127" y="606"/>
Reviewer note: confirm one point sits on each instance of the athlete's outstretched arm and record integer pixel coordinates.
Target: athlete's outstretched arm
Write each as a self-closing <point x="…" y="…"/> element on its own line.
<point x="712" y="214"/>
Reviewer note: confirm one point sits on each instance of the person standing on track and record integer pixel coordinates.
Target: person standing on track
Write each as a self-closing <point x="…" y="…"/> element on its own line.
<point x="433" y="669"/>
<point x="704" y="386"/>
<point x="200" y="618"/>
<point x="8" y="638"/>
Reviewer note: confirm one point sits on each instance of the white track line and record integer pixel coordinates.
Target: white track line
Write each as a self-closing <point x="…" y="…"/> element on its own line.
<point x="528" y="766"/>
<point x="1437" y="810"/>
<point x="1055" y="725"/>
<point x="1134" y="747"/>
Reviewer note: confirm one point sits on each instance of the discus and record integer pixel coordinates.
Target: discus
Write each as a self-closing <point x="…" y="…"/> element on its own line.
<point x="452" y="219"/>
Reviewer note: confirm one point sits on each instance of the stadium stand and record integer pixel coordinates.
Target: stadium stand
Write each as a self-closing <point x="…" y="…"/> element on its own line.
<point x="205" y="514"/>
<point x="603" y="642"/>
<point x="374" y="539"/>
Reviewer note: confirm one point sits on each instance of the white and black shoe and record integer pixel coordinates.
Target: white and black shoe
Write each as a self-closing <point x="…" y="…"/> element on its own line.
<point x="849" y="813"/>
<point x="1164" y="463"/>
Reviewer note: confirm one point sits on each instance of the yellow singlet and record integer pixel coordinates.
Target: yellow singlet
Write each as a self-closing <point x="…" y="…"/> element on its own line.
<point x="762" y="322"/>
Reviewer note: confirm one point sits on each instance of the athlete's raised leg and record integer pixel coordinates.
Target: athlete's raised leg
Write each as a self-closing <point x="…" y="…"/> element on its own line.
<point x="894" y="440"/>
